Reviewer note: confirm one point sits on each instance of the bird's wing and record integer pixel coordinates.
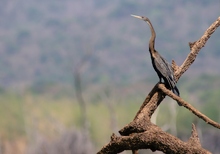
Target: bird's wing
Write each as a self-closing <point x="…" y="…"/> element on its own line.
<point x="162" y="66"/>
<point x="165" y="69"/>
<point x="171" y="70"/>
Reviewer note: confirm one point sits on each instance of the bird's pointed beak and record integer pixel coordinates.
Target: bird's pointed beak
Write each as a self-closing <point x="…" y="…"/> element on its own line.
<point x="139" y="17"/>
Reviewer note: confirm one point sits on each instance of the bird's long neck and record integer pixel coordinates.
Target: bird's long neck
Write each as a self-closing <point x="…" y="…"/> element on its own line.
<point x="153" y="36"/>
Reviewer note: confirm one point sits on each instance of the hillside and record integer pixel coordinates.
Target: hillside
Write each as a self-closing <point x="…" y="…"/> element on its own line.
<point x="42" y="41"/>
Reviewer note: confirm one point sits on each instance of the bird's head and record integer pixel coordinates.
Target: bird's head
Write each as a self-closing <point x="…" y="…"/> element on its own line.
<point x="141" y="17"/>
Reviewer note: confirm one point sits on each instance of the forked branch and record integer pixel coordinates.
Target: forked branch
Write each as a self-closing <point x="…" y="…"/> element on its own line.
<point x="154" y="139"/>
<point x="142" y="134"/>
<point x="189" y="107"/>
<point x="195" y="47"/>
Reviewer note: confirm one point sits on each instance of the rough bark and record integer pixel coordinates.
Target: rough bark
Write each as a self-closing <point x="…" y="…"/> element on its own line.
<point x="142" y="134"/>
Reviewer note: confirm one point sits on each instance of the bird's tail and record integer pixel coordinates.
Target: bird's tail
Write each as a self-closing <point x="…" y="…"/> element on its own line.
<point x="176" y="92"/>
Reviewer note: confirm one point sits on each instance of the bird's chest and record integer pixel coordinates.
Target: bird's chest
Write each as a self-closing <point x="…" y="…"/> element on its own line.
<point x="154" y="63"/>
<point x="156" y="66"/>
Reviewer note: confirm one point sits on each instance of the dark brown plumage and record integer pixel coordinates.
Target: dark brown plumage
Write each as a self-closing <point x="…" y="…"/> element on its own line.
<point x="161" y="66"/>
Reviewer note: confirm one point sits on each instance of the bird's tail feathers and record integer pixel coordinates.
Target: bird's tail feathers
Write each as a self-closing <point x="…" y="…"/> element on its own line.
<point x="173" y="87"/>
<point x="176" y="92"/>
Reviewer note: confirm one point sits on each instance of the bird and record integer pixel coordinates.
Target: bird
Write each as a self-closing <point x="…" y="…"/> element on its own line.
<point x="163" y="69"/>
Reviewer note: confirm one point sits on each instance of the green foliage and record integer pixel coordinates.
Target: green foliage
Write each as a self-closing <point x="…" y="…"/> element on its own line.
<point x="184" y="121"/>
<point x="37" y="110"/>
<point x="12" y="123"/>
<point x="43" y="113"/>
<point x="210" y="103"/>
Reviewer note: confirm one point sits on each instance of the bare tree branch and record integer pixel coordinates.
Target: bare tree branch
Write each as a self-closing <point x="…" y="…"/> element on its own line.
<point x="194" y="139"/>
<point x="154" y="139"/>
<point x="196" y="47"/>
<point x="78" y="87"/>
<point x="142" y="134"/>
<point x="189" y="107"/>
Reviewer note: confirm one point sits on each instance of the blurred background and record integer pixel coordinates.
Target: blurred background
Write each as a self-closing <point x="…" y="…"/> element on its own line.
<point x="74" y="72"/>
